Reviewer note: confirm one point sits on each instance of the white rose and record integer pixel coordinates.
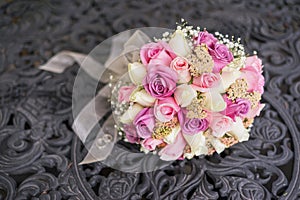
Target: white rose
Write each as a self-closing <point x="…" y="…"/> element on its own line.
<point x="184" y="94"/>
<point x="239" y="131"/>
<point x="214" y="101"/>
<point x="188" y="155"/>
<point x="172" y="136"/>
<point x="227" y="78"/>
<point x="142" y="97"/>
<point x="179" y="44"/>
<point x="130" y="114"/>
<point x="217" y="144"/>
<point x="197" y="144"/>
<point x="137" y="72"/>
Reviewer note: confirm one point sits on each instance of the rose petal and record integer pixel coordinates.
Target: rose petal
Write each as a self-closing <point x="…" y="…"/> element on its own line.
<point x="214" y="101"/>
<point x="197" y="143"/>
<point x="184" y="94"/>
<point x="125" y="92"/>
<point x="142" y="97"/>
<point x="137" y="72"/>
<point x="150" y="143"/>
<point x="130" y="114"/>
<point x="172" y="136"/>
<point x="179" y="44"/>
<point x="165" y="109"/>
<point x="218" y="145"/>
<point x="173" y="151"/>
<point x="239" y="131"/>
<point x="255" y="111"/>
<point x="227" y="78"/>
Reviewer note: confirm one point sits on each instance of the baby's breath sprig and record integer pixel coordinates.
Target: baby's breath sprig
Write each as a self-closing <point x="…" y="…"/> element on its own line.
<point x="235" y="46"/>
<point x="189" y="31"/>
<point x="120" y="130"/>
<point x="119" y="108"/>
<point x="166" y="36"/>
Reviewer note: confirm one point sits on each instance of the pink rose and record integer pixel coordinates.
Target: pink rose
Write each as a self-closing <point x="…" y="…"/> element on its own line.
<point x="125" y="92"/>
<point x="255" y="111"/>
<point x="191" y="126"/>
<point x="206" y="81"/>
<point x="221" y="56"/>
<point x="158" y="53"/>
<point x="220" y="124"/>
<point x="181" y="66"/>
<point x="150" y="143"/>
<point x="206" y="38"/>
<point x="255" y="62"/>
<point x="173" y="151"/>
<point x="252" y="73"/>
<point x="160" y="82"/>
<point x="239" y="108"/>
<point x="165" y="109"/>
<point x="131" y="134"/>
<point x="144" y="123"/>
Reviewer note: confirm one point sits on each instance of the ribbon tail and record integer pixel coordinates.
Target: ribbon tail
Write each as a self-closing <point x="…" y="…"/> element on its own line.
<point x="89" y="116"/>
<point x="122" y="49"/>
<point x="61" y="61"/>
<point x="103" y="144"/>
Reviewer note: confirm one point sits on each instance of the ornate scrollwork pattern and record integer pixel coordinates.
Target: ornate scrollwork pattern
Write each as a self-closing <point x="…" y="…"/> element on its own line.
<point x="39" y="152"/>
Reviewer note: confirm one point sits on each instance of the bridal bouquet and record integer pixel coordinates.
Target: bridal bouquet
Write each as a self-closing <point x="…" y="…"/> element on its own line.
<point x="190" y="93"/>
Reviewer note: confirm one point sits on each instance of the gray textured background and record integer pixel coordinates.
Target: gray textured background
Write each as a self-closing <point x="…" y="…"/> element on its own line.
<point x="39" y="151"/>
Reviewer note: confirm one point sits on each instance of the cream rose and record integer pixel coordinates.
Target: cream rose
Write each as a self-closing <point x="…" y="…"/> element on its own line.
<point x="214" y="101"/>
<point x="197" y="144"/>
<point x="228" y="78"/>
<point x="137" y="72"/>
<point x="179" y="44"/>
<point x="130" y="114"/>
<point x="184" y="94"/>
<point x="217" y="144"/>
<point x="142" y="97"/>
<point x="172" y="136"/>
<point x="239" y="131"/>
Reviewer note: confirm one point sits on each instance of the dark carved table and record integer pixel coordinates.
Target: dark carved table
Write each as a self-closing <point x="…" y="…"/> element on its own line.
<point x="39" y="151"/>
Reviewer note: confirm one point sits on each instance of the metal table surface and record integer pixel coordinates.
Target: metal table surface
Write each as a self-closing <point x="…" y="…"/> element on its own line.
<point x="39" y="151"/>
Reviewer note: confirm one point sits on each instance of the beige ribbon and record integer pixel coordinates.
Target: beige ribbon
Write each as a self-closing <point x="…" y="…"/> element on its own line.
<point x="124" y="49"/>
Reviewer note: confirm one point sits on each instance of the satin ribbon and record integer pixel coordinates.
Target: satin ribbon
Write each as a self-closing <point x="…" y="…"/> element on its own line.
<point x="124" y="48"/>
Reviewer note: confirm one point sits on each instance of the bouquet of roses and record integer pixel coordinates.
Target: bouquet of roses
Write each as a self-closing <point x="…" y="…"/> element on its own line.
<point x="191" y="93"/>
